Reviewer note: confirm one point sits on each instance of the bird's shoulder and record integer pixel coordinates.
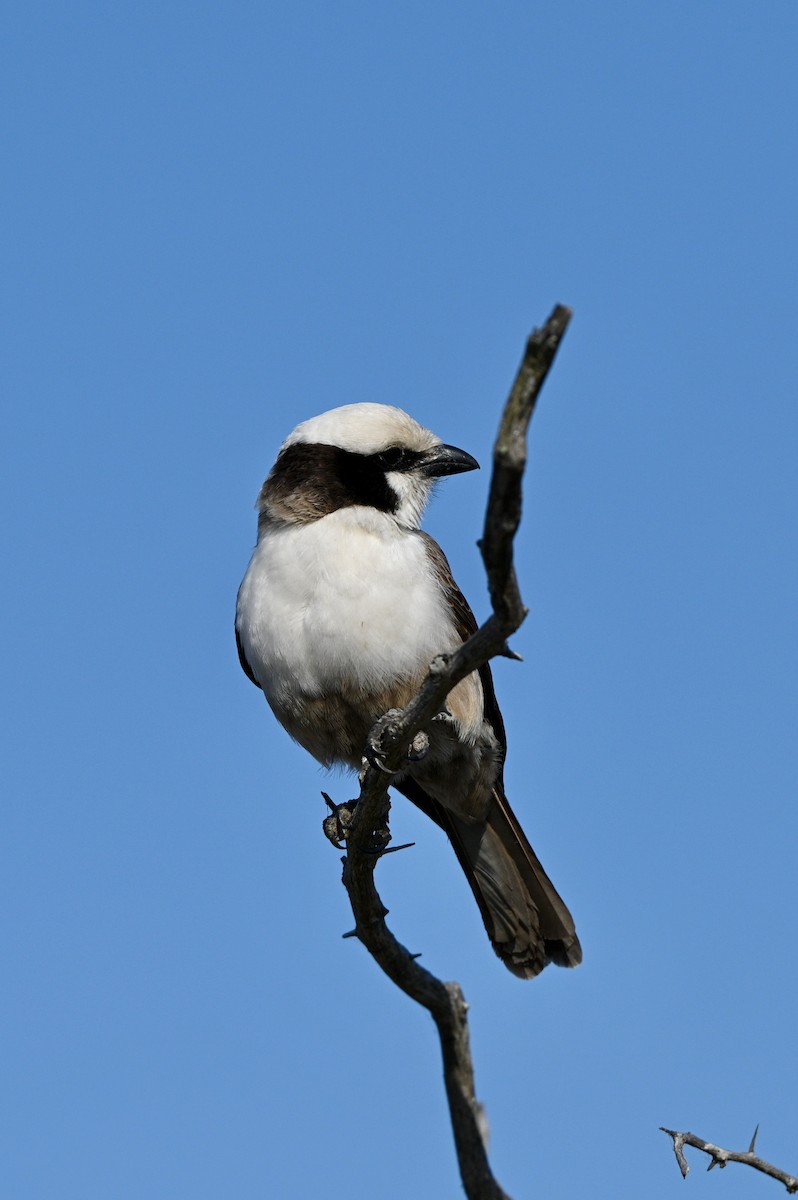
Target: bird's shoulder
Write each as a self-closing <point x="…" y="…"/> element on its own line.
<point x="465" y="620"/>
<point x="466" y="624"/>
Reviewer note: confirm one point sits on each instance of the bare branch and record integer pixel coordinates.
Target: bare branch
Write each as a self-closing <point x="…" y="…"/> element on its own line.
<point x="365" y="828"/>
<point x="509" y="460"/>
<point x="720" y="1157"/>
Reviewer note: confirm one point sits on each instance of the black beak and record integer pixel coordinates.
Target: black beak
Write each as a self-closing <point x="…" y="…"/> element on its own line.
<point x="447" y="460"/>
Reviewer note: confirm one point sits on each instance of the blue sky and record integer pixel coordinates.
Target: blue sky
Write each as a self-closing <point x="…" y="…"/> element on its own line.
<point x="220" y="220"/>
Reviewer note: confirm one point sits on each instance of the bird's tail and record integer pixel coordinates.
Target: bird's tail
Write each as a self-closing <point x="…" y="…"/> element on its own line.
<point x="527" y="922"/>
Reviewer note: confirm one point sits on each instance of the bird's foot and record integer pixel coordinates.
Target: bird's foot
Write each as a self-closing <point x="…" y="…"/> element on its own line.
<point x="337" y="826"/>
<point x="418" y="748"/>
<point x="374" y="753"/>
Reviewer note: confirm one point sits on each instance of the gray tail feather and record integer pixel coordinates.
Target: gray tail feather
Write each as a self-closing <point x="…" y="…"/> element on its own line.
<point x="527" y="922"/>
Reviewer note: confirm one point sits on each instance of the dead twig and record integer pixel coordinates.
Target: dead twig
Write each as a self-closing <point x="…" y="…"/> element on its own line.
<point x="720" y="1157"/>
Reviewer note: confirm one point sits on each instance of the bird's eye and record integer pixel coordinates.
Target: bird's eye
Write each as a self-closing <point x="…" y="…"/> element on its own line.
<point x="392" y="458"/>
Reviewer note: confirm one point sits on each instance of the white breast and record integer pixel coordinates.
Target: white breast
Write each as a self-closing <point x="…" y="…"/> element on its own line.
<point x="348" y="598"/>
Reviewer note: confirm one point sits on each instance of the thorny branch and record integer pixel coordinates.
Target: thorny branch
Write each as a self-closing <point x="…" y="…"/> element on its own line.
<point x="720" y="1157"/>
<point x="396" y="730"/>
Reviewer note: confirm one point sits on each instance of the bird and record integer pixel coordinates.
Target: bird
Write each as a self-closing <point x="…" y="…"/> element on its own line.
<point x="345" y="603"/>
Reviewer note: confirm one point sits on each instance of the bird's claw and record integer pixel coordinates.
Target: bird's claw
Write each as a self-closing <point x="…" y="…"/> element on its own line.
<point x="374" y="754"/>
<point x="418" y="748"/>
<point x="337" y="826"/>
<point x="373" y="758"/>
<point x="379" y="842"/>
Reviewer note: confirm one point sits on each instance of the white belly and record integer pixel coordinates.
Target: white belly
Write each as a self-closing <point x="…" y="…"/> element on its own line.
<point x="348" y="598"/>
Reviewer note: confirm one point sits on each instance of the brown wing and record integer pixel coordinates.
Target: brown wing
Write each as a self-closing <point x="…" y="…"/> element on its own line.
<point x="525" y="918"/>
<point x="466" y="624"/>
<point x="242" y="658"/>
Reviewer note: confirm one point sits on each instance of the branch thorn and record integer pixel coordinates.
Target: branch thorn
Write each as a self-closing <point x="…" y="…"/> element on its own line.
<point x="380" y="851"/>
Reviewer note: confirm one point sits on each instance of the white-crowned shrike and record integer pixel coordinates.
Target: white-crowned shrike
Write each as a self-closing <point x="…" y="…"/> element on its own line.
<point x="343" y="607"/>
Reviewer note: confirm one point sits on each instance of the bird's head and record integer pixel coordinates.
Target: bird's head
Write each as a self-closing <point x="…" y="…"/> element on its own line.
<point x="372" y="455"/>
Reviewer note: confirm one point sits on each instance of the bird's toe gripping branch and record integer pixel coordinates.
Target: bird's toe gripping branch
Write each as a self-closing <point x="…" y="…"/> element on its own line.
<point x="375" y="755"/>
<point x="338" y="825"/>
